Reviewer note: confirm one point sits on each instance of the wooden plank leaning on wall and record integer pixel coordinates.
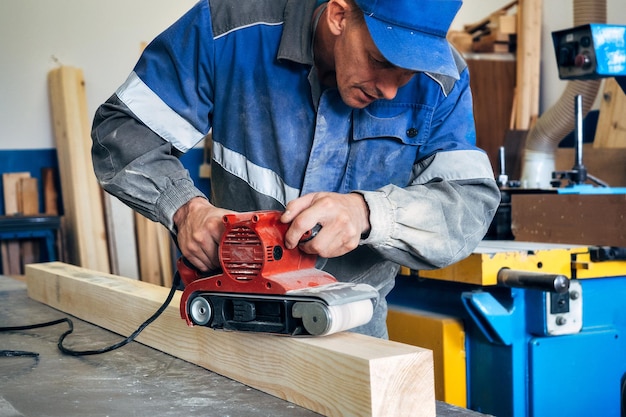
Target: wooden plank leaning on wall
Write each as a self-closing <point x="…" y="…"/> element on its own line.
<point x="28" y="205"/>
<point x="11" y="256"/>
<point x="82" y="196"/>
<point x="526" y="105"/>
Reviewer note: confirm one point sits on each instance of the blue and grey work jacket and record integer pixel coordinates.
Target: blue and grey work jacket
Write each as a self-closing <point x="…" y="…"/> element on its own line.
<point x="245" y="70"/>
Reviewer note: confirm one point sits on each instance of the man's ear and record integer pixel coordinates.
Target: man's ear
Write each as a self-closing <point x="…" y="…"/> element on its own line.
<point x="336" y="13"/>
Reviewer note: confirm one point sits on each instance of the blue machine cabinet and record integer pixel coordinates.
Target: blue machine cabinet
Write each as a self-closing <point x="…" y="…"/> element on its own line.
<point x="531" y="352"/>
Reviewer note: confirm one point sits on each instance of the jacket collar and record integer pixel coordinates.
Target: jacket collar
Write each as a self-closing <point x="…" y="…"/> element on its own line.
<point x="296" y="42"/>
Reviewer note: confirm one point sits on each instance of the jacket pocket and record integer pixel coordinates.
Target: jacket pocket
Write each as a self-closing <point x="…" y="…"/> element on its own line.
<point x="385" y="145"/>
<point x="409" y="124"/>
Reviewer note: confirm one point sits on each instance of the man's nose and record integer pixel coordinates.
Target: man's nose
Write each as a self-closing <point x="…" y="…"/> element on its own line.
<point x="387" y="89"/>
<point x="388" y="85"/>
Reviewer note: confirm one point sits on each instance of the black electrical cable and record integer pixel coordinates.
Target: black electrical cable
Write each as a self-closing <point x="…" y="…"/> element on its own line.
<point x="21" y="353"/>
<point x="72" y="352"/>
<point x="18" y="353"/>
<point x="130" y="338"/>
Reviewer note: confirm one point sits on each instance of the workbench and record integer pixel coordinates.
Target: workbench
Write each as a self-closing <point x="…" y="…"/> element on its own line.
<point x="134" y="380"/>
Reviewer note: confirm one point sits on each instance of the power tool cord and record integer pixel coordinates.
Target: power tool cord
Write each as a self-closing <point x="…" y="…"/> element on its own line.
<point x="72" y="352"/>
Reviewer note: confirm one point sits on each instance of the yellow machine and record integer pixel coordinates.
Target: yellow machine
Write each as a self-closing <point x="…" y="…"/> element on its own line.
<point x="517" y="326"/>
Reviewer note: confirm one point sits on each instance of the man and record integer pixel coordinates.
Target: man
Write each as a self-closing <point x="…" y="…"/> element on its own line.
<point x="354" y="114"/>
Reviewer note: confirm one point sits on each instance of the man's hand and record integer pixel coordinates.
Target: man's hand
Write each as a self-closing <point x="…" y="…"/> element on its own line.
<point x="200" y="228"/>
<point x="344" y="219"/>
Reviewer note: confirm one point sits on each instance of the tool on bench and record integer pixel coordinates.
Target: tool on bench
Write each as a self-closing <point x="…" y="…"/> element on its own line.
<point x="265" y="287"/>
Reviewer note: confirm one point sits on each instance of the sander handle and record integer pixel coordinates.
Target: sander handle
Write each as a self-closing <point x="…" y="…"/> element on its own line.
<point x="189" y="273"/>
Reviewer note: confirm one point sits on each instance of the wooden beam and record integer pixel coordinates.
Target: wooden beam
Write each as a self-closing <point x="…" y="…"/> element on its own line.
<point x="345" y="374"/>
<point x="528" y="63"/>
<point x="611" y="130"/>
<point x="82" y="196"/>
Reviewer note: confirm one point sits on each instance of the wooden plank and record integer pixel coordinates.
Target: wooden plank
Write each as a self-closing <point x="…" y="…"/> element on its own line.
<point x="28" y="196"/>
<point x="507" y="24"/>
<point x="11" y="249"/>
<point x="611" y="130"/>
<point x="570" y="219"/>
<point x="9" y="184"/>
<point x="147" y="250"/>
<point x="11" y="258"/>
<point x="82" y="197"/>
<point x="344" y="374"/>
<point x="4" y="252"/>
<point x="50" y="193"/>
<point x="528" y="63"/>
<point x="120" y="222"/>
<point x="154" y="247"/>
<point x="28" y="204"/>
<point x="166" y="256"/>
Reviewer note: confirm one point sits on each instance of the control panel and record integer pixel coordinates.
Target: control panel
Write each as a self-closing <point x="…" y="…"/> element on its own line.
<point x="591" y="51"/>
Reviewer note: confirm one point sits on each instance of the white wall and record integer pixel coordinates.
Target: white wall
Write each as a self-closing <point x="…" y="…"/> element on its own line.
<point x="103" y="39"/>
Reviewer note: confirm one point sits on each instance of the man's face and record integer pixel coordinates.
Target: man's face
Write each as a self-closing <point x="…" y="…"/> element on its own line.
<point x="363" y="74"/>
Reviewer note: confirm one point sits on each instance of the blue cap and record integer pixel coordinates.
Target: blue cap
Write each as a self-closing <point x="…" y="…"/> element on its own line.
<point x="411" y="34"/>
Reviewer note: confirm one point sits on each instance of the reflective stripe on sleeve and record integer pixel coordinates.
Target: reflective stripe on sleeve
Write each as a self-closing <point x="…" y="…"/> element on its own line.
<point x="157" y="115"/>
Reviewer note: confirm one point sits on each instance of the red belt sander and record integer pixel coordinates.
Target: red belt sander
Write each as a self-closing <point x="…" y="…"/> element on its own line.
<point x="265" y="287"/>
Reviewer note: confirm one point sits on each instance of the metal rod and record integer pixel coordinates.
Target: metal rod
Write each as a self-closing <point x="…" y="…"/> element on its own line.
<point x="533" y="280"/>
<point x="503" y="179"/>
<point x="578" y="109"/>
